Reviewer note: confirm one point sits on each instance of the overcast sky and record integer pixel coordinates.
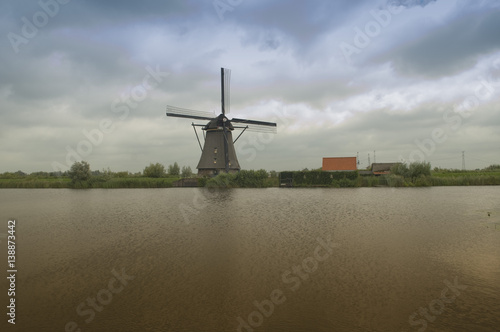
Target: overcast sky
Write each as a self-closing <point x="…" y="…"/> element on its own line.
<point x="411" y="79"/>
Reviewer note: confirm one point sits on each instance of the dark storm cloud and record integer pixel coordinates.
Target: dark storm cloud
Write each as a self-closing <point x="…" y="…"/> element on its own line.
<point x="450" y="48"/>
<point x="410" y="3"/>
<point x="94" y="12"/>
<point x="303" y="22"/>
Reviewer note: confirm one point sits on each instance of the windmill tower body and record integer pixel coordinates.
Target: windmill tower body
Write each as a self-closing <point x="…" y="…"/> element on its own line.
<point x="213" y="156"/>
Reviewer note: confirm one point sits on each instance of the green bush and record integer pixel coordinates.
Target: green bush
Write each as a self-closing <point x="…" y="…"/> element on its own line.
<point x="155" y="171"/>
<point x="186" y="172"/>
<point x="419" y="169"/>
<point x="395" y="180"/>
<point x="121" y="174"/>
<point x="346" y="183"/>
<point x="400" y="169"/>
<point x="413" y="174"/>
<point x="80" y="174"/>
<point x="370" y="181"/>
<point x="423" y="181"/>
<point x="492" y="168"/>
<point x="223" y="180"/>
<point x="242" y="179"/>
<point x="321" y="178"/>
<point x="251" y="178"/>
<point x="174" y="169"/>
<point x="202" y="182"/>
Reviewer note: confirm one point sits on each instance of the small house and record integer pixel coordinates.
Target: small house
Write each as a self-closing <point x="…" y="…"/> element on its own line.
<point x="382" y="168"/>
<point x="339" y="164"/>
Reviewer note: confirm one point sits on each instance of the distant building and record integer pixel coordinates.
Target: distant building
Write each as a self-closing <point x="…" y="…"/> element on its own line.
<point x="339" y="164"/>
<point x="382" y="168"/>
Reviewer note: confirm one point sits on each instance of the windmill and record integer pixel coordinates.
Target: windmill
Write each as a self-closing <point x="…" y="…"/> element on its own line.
<point x="218" y="153"/>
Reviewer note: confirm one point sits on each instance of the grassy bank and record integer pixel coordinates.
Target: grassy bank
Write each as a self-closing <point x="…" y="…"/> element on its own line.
<point x="30" y="182"/>
<point x="112" y="183"/>
<point x="260" y="179"/>
<point x="242" y="179"/>
<point x="318" y="178"/>
<point x="432" y="180"/>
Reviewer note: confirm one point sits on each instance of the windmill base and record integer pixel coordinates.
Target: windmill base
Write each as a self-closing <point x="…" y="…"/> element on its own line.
<point x="214" y="172"/>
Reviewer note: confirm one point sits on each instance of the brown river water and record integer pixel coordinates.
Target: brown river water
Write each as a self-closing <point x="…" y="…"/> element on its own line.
<point x="277" y="259"/>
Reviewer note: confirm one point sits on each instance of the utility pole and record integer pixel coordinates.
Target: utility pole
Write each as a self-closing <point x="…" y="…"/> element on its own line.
<point x="463" y="160"/>
<point x="369" y="164"/>
<point x="374" y="157"/>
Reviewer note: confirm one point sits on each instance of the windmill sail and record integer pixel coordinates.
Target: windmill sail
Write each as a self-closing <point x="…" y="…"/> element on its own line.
<point x="257" y="126"/>
<point x="254" y="122"/>
<point x="187" y="113"/>
<point x="225" y="80"/>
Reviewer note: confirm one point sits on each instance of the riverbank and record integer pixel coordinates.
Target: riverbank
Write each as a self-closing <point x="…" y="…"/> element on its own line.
<point x="248" y="180"/>
<point x="352" y="179"/>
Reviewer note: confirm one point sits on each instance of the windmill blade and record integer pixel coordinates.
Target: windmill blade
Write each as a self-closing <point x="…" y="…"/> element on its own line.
<point x="227" y="90"/>
<point x="254" y="122"/>
<point x="189" y="116"/>
<point x="257" y="129"/>
<point x="262" y="129"/>
<point x="187" y="113"/>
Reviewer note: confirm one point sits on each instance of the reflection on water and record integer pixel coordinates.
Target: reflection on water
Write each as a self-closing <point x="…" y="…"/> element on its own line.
<point x="252" y="259"/>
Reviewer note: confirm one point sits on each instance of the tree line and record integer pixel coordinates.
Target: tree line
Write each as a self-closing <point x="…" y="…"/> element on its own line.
<point x="80" y="172"/>
<point x="156" y="170"/>
<point x="157" y="175"/>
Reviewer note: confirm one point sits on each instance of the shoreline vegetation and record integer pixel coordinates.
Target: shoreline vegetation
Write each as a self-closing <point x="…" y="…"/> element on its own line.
<point x="417" y="174"/>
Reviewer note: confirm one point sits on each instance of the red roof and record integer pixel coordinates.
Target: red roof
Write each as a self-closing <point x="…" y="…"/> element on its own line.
<point x="339" y="164"/>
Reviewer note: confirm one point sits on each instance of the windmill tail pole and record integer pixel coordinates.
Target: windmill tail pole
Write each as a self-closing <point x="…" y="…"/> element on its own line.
<point x="240" y="134"/>
<point x="226" y="148"/>
<point x="199" y="143"/>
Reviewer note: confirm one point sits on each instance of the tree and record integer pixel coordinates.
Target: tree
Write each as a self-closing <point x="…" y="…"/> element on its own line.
<point x="418" y="169"/>
<point x="413" y="171"/>
<point x="154" y="171"/>
<point x="122" y="174"/>
<point x="262" y="174"/>
<point x="186" y="172"/>
<point x="80" y="172"/>
<point x="174" y="169"/>
<point x="400" y="169"/>
<point x="493" y="168"/>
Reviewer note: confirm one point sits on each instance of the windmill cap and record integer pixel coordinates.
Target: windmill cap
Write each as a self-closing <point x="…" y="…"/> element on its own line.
<point x="217" y="123"/>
